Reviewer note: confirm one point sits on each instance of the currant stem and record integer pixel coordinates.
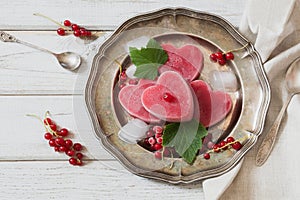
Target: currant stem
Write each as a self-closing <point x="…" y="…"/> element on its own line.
<point x="228" y="144"/>
<point x="172" y="161"/>
<point x="56" y="22"/>
<point x="120" y="66"/>
<point x="47" y="126"/>
<point x="35" y="116"/>
<point x="238" y="49"/>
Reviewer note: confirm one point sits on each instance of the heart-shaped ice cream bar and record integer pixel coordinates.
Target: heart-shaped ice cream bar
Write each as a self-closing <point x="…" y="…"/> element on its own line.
<point x="213" y="105"/>
<point x="170" y="99"/>
<point x="130" y="99"/>
<point x="187" y="61"/>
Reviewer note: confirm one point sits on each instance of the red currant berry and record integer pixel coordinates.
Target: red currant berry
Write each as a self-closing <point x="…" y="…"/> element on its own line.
<point x="216" y="148"/>
<point x="59" y="141"/>
<point x="61" y="31"/>
<point x="63" y="132"/>
<point x="157" y="146"/>
<point x="159" y="140"/>
<point x="52" y="143"/>
<point x="123" y="76"/>
<point x="166" y="152"/>
<point x="158" y="154"/>
<point x="146" y="141"/>
<point x="62" y="149"/>
<point x="149" y="134"/>
<point x="56" y="149"/>
<point x="157" y="129"/>
<point x="73" y="161"/>
<point x="53" y="127"/>
<point x="206" y="156"/>
<point x="229" y="56"/>
<point x="222" y="145"/>
<point x="168" y="97"/>
<point x="222" y="62"/>
<point x="79" y="162"/>
<point x="230" y="139"/>
<point x="237" y="145"/>
<point x="67" y="23"/>
<point x="207" y="138"/>
<point x="82" y="31"/>
<point x="122" y="85"/>
<point x="210" y="145"/>
<point x="48" y="136"/>
<point x="48" y="121"/>
<point x="77" y="147"/>
<point x="151" y="141"/>
<point x="158" y="135"/>
<point x="133" y="81"/>
<point x="213" y="57"/>
<point x="79" y="156"/>
<point x="75" y="27"/>
<point x="219" y="55"/>
<point x="68" y="143"/>
<point x="88" y="33"/>
<point x="70" y="153"/>
<point x="77" y="33"/>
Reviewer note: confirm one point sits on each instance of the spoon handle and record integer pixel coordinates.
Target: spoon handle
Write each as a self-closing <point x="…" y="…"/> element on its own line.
<point x="5" y="37"/>
<point x="269" y="141"/>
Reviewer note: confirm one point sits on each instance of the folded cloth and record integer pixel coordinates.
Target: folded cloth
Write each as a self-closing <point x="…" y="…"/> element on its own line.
<point x="273" y="26"/>
<point x="213" y="188"/>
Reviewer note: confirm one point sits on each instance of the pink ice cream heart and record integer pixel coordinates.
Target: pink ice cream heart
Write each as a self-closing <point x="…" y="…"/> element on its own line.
<point x="213" y="105"/>
<point x="130" y="99"/>
<point x="187" y="61"/>
<point x="180" y="105"/>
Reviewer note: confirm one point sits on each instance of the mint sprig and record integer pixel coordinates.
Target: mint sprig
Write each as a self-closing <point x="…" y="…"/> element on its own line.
<point x="185" y="137"/>
<point x="148" y="59"/>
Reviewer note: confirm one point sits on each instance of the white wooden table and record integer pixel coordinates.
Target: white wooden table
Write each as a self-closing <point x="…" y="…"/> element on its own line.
<point x="32" y="82"/>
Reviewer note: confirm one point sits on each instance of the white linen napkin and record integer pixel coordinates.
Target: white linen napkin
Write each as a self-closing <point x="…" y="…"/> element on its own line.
<point x="273" y="26"/>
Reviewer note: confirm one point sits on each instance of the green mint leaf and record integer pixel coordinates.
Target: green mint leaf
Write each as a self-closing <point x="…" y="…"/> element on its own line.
<point x="148" y="60"/>
<point x="153" y="44"/>
<point x="185" y="137"/>
<point x="147" y="71"/>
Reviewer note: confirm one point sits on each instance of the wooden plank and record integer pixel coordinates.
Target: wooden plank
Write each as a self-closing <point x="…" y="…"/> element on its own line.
<point x="22" y="136"/>
<point x="95" y="180"/>
<point x="24" y="70"/>
<point x="102" y="15"/>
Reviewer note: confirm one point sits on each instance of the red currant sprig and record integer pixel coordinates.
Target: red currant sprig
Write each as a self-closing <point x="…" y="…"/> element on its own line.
<point x="230" y="142"/>
<point x="222" y="58"/>
<point x="68" y="27"/>
<point x="57" y="139"/>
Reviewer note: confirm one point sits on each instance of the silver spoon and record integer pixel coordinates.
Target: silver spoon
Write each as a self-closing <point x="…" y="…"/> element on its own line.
<point x="292" y="80"/>
<point x="67" y="60"/>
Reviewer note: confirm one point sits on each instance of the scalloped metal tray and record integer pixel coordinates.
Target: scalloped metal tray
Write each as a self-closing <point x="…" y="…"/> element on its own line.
<point x="179" y="26"/>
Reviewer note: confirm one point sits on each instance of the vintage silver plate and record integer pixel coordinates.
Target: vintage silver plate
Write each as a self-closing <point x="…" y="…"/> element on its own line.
<point x="179" y="26"/>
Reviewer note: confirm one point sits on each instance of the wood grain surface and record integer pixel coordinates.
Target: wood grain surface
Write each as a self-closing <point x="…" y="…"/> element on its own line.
<point x="31" y="82"/>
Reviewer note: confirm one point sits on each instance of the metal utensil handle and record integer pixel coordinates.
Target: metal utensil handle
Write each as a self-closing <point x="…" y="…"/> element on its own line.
<point x="269" y="141"/>
<point x="5" y="37"/>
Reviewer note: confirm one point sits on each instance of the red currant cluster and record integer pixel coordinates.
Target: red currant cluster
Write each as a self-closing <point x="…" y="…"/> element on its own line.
<point x="221" y="58"/>
<point x="78" y="31"/>
<point x="124" y="80"/>
<point x="230" y="142"/>
<point x="153" y="141"/>
<point x="57" y="139"/>
<point x="68" y="27"/>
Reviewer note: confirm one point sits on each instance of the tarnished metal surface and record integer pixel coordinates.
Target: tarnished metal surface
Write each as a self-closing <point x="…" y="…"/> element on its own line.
<point x="179" y="26"/>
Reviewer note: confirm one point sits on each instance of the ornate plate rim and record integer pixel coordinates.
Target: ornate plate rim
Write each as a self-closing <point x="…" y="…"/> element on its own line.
<point x="88" y="94"/>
